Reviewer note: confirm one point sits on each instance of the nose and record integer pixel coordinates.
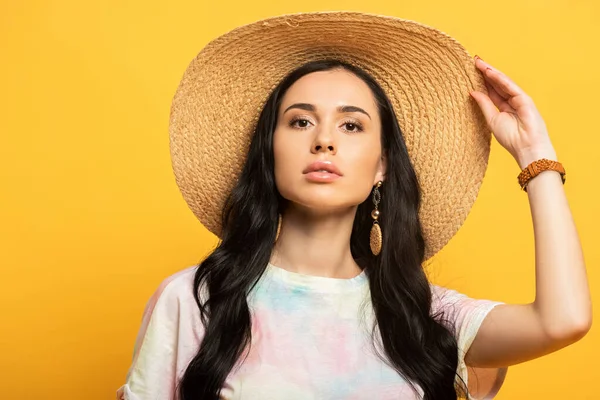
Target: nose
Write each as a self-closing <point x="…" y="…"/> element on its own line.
<point x="324" y="143"/>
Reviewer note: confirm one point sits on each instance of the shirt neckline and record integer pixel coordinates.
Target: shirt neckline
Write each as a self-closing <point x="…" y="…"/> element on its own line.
<point x="316" y="283"/>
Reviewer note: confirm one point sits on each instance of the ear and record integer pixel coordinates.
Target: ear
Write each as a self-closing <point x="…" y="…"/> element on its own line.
<point x="381" y="169"/>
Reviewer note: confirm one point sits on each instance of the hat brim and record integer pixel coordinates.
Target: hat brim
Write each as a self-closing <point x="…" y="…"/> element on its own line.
<point x="426" y="74"/>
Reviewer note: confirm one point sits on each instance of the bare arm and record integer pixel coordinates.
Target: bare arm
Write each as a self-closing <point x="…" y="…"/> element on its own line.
<point x="561" y="312"/>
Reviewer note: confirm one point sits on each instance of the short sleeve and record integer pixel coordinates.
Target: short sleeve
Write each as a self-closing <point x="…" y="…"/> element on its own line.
<point x="167" y="340"/>
<point x="464" y="315"/>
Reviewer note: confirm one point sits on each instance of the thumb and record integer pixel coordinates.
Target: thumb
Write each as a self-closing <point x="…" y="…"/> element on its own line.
<point x="488" y="108"/>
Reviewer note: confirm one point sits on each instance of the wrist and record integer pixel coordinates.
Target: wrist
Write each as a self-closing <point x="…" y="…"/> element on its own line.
<point x="536" y="168"/>
<point x="527" y="157"/>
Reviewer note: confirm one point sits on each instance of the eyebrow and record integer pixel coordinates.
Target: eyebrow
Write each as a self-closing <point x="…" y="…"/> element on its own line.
<point x="340" y="109"/>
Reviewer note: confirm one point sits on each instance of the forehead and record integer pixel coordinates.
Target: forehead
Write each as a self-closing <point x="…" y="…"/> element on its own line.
<point x="329" y="89"/>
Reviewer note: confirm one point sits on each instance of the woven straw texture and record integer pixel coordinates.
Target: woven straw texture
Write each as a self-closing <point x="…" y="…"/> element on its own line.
<point x="426" y="74"/>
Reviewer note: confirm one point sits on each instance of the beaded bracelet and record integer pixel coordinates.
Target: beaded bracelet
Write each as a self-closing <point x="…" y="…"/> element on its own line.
<point x="538" y="166"/>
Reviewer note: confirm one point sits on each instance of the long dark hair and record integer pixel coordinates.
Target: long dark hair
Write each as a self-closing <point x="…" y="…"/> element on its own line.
<point x="418" y="345"/>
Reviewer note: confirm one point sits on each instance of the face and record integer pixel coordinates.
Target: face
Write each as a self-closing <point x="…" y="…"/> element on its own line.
<point x="331" y="117"/>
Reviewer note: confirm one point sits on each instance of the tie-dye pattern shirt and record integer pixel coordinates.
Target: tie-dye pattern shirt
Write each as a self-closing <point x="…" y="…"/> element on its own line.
<point x="311" y="339"/>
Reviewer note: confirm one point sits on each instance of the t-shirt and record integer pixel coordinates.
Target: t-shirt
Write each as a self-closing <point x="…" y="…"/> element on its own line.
<point x="311" y="340"/>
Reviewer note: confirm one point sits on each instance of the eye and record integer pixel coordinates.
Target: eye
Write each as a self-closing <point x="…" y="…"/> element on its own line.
<point x="303" y="123"/>
<point x="354" y="126"/>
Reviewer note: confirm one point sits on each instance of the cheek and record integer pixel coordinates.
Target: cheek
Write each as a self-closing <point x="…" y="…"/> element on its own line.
<point x="288" y="155"/>
<point x="362" y="167"/>
<point x="362" y="161"/>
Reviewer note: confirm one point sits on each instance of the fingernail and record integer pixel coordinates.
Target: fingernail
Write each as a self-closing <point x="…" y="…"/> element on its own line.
<point x="476" y="57"/>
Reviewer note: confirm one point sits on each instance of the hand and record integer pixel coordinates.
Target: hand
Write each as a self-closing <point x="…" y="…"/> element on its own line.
<point x="518" y="126"/>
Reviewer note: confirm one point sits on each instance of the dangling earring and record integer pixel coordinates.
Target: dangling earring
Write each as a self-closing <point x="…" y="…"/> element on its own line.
<point x="278" y="226"/>
<point x="376" y="239"/>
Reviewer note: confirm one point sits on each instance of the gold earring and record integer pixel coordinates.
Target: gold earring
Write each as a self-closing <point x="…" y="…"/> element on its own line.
<point x="278" y="227"/>
<point x="376" y="239"/>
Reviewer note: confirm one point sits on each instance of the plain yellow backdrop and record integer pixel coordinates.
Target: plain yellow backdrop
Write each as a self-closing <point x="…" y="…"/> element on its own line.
<point x="91" y="219"/>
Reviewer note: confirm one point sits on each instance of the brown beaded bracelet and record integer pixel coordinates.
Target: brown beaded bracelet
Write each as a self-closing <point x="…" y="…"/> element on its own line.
<point x="538" y="166"/>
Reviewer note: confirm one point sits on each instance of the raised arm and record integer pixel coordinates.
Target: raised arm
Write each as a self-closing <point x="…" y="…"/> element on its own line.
<point x="561" y="312"/>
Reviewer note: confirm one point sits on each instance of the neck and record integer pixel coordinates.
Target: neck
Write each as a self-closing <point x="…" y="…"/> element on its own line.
<point x="316" y="243"/>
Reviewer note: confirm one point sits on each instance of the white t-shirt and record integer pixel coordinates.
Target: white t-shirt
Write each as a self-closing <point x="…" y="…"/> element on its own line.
<point x="311" y="339"/>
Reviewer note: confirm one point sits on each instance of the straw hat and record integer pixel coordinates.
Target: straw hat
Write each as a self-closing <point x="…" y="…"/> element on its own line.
<point x="426" y="74"/>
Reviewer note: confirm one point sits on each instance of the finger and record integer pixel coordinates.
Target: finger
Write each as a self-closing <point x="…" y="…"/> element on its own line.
<point x="499" y="89"/>
<point x="483" y="68"/>
<point x="486" y="105"/>
<point x="499" y="79"/>
<point x="499" y="101"/>
<point x="520" y="102"/>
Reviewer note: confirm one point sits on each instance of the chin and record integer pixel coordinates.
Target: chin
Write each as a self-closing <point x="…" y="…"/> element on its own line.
<point x="324" y="199"/>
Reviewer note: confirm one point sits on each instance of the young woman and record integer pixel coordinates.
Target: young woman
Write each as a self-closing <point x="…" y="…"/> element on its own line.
<point x="333" y="153"/>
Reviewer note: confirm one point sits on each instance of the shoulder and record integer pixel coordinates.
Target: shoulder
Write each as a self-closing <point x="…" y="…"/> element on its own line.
<point x="168" y="338"/>
<point x="182" y="279"/>
<point x="178" y="286"/>
<point x="172" y="291"/>
<point x="463" y="315"/>
<point x="443" y="294"/>
<point x="173" y="297"/>
<point x="450" y="301"/>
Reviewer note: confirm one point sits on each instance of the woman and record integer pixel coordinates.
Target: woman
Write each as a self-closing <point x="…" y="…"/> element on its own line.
<point x="334" y="192"/>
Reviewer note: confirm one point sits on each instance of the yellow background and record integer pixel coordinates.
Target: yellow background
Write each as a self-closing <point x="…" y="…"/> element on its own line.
<point x="91" y="219"/>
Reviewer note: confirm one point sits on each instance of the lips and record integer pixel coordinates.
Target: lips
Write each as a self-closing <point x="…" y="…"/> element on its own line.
<point x="322" y="166"/>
